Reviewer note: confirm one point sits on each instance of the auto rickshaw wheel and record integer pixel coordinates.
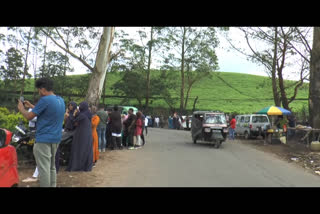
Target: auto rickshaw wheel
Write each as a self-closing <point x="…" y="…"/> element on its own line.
<point x="217" y="144"/>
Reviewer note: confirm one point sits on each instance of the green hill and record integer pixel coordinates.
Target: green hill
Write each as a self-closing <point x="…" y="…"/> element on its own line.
<point x="225" y="91"/>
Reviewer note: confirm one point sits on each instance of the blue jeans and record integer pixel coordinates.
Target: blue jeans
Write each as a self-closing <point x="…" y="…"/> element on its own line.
<point x="102" y="137"/>
<point x="231" y="133"/>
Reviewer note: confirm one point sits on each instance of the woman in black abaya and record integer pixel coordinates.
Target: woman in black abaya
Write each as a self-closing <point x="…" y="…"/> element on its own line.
<point x="81" y="151"/>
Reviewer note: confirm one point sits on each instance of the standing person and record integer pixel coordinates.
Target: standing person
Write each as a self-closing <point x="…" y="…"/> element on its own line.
<point x="68" y="127"/>
<point x="68" y="117"/>
<point x="292" y="124"/>
<point x="161" y="121"/>
<point x="129" y="127"/>
<point x="179" y="122"/>
<point x="143" y="118"/>
<point x="101" y="128"/>
<point x="153" y="123"/>
<point x="138" y="130"/>
<point x="32" y="123"/>
<point x="146" y="120"/>
<point x="156" y="120"/>
<point x="50" y="113"/>
<point x="81" y="154"/>
<point x="232" y="127"/>
<point x="175" y="121"/>
<point x="95" y="141"/>
<point x="187" y="122"/>
<point x="115" y="128"/>
<point x="108" y="132"/>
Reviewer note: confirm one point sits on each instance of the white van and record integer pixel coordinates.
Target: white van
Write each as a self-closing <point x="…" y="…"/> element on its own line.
<point x="251" y="125"/>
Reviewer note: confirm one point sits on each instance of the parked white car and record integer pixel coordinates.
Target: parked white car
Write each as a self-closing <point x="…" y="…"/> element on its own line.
<point x="251" y="125"/>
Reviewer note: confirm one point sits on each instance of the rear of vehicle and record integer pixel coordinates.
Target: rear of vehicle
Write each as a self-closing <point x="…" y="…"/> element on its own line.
<point x="8" y="161"/>
<point x="251" y="125"/>
<point x="258" y="124"/>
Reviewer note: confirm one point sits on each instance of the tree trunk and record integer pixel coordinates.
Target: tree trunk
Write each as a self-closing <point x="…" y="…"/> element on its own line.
<point x="104" y="88"/>
<point x="44" y="59"/>
<point x="274" y="70"/>
<point x="284" y="98"/>
<point x="194" y="104"/>
<point x="190" y="84"/>
<point x="182" y="71"/>
<point x="148" y="71"/>
<point x="25" y="69"/>
<point x="314" y="86"/>
<point x="65" y="68"/>
<point x="100" y="67"/>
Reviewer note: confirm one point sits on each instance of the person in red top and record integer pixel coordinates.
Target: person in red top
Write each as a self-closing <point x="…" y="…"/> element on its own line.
<point x="138" y="130"/>
<point x="232" y="128"/>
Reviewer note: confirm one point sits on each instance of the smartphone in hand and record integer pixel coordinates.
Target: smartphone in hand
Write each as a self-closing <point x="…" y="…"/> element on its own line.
<point x="22" y="99"/>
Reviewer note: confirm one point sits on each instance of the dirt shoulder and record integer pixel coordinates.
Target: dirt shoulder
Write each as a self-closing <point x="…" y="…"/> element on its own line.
<point x="292" y="152"/>
<point x="111" y="165"/>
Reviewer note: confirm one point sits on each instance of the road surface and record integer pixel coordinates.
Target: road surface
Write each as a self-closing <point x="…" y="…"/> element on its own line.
<point x="170" y="159"/>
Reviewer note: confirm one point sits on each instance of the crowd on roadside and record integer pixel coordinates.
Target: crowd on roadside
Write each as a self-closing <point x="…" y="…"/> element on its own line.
<point x="94" y="131"/>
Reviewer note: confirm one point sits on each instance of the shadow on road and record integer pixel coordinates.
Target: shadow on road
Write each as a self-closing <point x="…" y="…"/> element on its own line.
<point x="201" y="144"/>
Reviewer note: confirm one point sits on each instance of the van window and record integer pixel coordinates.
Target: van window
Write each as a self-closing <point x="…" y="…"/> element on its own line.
<point x="215" y="118"/>
<point x="255" y="119"/>
<point x="247" y="119"/>
<point x="242" y="119"/>
<point x="264" y="119"/>
<point x="259" y="119"/>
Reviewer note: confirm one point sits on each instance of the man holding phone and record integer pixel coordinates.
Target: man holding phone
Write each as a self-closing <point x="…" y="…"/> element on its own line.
<point x="50" y="114"/>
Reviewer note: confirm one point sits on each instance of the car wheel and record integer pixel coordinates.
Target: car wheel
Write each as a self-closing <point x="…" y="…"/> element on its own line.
<point x="246" y="135"/>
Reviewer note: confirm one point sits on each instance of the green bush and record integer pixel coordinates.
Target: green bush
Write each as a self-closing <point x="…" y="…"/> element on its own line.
<point x="8" y="120"/>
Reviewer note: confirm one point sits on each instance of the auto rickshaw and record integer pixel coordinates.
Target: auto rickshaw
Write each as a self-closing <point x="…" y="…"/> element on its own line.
<point x="209" y="126"/>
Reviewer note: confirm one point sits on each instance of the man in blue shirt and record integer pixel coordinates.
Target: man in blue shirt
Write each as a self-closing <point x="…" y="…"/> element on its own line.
<point x="50" y="114"/>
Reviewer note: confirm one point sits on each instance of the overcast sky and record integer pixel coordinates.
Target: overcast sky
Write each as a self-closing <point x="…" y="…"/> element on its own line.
<point x="228" y="60"/>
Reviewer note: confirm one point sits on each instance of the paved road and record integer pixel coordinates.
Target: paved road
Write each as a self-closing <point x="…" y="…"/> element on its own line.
<point x="170" y="159"/>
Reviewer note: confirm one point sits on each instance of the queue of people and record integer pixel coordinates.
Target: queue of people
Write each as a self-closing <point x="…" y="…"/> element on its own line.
<point x="97" y="130"/>
<point x="94" y="130"/>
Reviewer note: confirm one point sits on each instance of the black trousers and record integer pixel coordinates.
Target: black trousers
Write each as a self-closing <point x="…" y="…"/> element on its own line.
<point x="124" y="138"/>
<point x="127" y="135"/>
<point x="116" y="142"/>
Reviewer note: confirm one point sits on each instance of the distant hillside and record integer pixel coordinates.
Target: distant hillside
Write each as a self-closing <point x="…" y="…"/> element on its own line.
<point x="225" y="91"/>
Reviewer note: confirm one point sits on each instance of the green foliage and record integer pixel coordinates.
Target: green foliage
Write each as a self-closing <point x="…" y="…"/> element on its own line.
<point x="12" y="70"/>
<point x="57" y="64"/>
<point x="10" y="120"/>
<point x="224" y="91"/>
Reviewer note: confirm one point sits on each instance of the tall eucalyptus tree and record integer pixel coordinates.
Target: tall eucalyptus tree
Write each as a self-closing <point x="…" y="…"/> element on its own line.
<point x="81" y="49"/>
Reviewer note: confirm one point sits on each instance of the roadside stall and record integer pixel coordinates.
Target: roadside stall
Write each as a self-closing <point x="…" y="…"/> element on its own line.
<point x="274" y="132"/>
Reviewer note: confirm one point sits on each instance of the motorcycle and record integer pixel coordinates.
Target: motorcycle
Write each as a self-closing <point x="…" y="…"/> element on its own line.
<point x="64" y="148"/>
<point x="24" y="139"/>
